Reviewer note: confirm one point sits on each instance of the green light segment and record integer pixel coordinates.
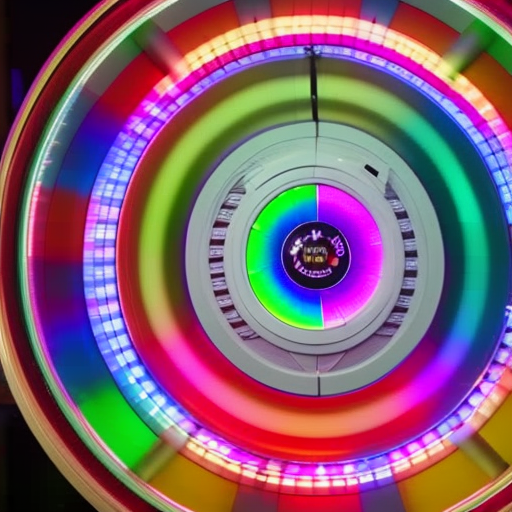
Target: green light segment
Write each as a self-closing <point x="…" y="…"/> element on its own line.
<point x="289" y="201"/>
<point x="502" y="52"/>
<point x="284" y="305"/>
<point x="117" y="425"/>
<point x="283" y="299"/>
<point x="257" y="240"/>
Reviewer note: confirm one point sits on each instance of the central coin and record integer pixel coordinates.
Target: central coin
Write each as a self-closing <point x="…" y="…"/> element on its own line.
<point x="316" y="255"/>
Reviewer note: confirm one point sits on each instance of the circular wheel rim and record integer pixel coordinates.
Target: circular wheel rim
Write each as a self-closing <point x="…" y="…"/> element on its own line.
<point x="11" y="146"/>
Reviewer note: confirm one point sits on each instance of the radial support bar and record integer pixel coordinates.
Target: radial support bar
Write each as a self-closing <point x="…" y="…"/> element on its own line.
<point x="159" y="48"/>
<point x="379" y="11"/>
<point x="160" y="455"/>
<point x="154" y="461"/>
<point x="472" y="42"/>
<point x="382" y="498"/>
<point x="249" y="499"/>
<point x="311" y="52"/>
<point x="251" y="11"/>
<point x="480" y="452"/>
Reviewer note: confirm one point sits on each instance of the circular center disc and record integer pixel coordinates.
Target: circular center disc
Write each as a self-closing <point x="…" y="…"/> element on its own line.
<point x="300" y="256"/>
<point x="316" y="255"/>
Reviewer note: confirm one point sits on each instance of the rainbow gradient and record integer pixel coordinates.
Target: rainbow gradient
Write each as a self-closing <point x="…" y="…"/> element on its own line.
<point x="281" y="296"/>
<point x="106" y="343"/>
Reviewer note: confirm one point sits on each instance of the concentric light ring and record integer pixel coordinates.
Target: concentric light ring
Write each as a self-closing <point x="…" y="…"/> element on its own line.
<point x="498" y="176"/>
<point x="398" y="70"/>
<point x="253" y="171"/>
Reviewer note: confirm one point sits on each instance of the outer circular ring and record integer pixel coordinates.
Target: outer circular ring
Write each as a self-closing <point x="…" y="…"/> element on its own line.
<point x="129" y="353"/>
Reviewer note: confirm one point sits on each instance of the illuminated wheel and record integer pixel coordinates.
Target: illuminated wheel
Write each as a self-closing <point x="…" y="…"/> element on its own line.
<point x="259" y="253"/>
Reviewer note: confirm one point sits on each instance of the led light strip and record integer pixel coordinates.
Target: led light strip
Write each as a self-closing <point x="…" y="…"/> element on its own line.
<point x="494" y="144"/>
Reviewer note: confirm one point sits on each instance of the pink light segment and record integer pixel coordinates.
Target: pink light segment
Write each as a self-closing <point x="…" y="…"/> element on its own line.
<point x="344" y="301"/>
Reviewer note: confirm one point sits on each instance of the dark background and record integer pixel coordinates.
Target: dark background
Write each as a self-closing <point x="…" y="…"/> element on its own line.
<point x="29" y="32"/>
<point x="32" y="31"/>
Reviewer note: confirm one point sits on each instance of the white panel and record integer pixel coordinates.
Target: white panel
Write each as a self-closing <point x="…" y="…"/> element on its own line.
<point x="306" y="361"/>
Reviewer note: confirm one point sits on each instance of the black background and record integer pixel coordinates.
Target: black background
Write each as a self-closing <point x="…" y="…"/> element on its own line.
<point x="34" y="29"/>
<point x="28" y="479"/>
